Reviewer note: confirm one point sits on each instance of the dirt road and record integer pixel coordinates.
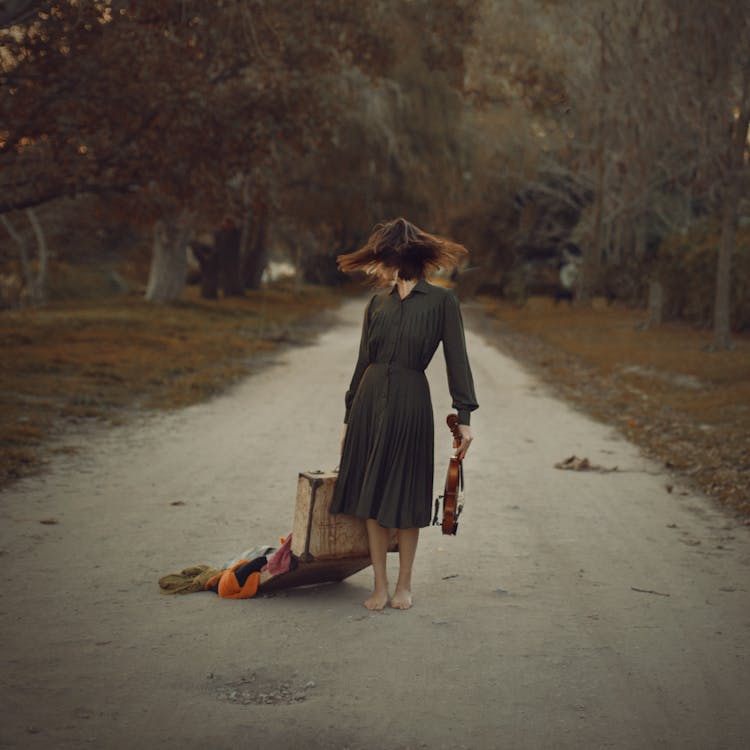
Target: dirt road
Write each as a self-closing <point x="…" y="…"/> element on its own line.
<point x="573" y="610"/>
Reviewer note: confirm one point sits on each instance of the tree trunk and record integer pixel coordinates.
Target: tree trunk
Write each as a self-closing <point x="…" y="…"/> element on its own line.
<point x="591" y="267"/>
<point x="23" y="250"/>
<point x="256" y="257"/>
<point x="248" y="226"/>
<point x="42" y="254"/>
<point x="227" y="244"/>
<point x="298" y="268"/>
<point x="655" y="304"/>
<point x="723" y="299"/>
<point x="208" y="260"/>
<point x="166" y="280"/>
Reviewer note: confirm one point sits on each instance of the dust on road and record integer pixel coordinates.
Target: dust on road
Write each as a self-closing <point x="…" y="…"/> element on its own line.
<point x="573" y="609"/>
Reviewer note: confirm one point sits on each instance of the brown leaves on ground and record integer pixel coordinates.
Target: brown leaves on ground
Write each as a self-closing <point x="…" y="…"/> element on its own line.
<point x="574" y="463"/>
<point x="684" y="405"/>
<point x="98" y="359"/>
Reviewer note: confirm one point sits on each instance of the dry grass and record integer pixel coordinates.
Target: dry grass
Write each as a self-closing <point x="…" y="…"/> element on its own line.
<point x="101" y="358"/>
<point x="683" y="404"/>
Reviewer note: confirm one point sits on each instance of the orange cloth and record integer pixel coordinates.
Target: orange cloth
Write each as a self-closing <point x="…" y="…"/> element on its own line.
<point x="229" y="586"/>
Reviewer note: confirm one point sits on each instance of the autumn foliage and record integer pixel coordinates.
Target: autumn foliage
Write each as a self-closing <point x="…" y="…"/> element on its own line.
<point x="529" y="131"/>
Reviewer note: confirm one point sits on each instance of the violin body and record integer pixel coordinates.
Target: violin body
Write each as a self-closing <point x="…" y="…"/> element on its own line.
<point x="453" y="492"/>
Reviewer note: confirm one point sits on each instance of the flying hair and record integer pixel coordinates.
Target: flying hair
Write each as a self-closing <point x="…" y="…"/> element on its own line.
<point x="399" y="245"/>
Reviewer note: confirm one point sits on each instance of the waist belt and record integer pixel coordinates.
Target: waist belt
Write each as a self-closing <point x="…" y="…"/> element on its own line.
<point x="397" y="366"/>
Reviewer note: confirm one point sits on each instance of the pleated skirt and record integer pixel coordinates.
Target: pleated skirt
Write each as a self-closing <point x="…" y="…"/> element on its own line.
<point x="387" y="461"/>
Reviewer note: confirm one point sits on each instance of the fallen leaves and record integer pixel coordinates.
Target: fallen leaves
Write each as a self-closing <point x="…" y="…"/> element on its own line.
<point x="582" y="464"/>
<point x="78" y="360"/>
<point x="645" y="383"/>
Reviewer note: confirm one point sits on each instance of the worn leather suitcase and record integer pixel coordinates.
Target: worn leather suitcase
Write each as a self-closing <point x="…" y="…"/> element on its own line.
<point x="319" y="535"/>
<point x="324" y="547"/>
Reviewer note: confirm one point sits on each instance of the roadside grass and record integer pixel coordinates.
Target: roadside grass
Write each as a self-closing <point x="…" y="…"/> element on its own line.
<point x="682" y="403"/>
<point x="71" y="361"/>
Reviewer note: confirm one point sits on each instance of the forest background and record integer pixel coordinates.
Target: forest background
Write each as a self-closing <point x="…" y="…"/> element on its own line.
<point x="159" y="160"/>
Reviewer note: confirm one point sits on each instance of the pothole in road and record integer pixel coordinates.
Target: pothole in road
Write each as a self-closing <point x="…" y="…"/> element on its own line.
<point x="259" y="690"/>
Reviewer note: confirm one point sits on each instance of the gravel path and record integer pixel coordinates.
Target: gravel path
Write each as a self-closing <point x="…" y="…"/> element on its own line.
<point x="573" y="610"/>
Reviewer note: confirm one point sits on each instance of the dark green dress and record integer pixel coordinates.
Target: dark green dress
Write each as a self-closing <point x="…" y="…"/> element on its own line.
<point x="387" y="460"/>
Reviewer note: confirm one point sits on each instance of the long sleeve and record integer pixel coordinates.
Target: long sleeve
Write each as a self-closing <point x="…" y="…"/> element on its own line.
<point x="363" y="360"/>
<point x="460" y="380"/>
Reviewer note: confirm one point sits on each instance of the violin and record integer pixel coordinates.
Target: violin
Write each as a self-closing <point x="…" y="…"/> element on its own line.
<point x="453" y="495"/>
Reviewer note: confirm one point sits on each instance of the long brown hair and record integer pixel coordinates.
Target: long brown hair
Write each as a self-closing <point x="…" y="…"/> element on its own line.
<point x="401" y="246"/>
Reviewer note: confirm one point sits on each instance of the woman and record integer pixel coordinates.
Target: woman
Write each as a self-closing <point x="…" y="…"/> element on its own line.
<point x="387" y="447"/>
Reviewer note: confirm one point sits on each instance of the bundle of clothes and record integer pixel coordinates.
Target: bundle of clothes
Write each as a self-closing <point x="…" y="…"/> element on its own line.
<point x="237" y="579"/>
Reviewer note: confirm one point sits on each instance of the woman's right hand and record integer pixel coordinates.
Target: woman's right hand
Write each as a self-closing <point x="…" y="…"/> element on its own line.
<point x="466" y="438"/>
<point x="343" y="435"/>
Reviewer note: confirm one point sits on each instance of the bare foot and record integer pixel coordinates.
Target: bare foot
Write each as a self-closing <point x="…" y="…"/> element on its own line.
<point x="401" y="599"/>
<point x="377" y="600"/>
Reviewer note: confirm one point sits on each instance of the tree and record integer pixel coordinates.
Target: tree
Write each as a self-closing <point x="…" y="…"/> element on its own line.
<point x="169" y="266"/>
<point x="169" y="103"/>
<point x="636" y="107"/>
<point x="34" y="282"/>
<point x="396" y="148"/>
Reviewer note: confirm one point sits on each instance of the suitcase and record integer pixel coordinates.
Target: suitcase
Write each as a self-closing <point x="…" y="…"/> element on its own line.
<point x="324" y="547"/>
<point x="319" y="535"/>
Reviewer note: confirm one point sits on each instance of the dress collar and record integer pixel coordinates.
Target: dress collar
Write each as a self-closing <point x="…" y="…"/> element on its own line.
<point x="422" y="285"/>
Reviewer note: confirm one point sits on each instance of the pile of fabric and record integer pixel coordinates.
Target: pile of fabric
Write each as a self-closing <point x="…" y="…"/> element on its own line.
<point x="238" y="579"/>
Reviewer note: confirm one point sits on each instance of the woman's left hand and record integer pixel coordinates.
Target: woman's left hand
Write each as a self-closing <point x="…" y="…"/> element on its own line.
<point x="466" y="438"/>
